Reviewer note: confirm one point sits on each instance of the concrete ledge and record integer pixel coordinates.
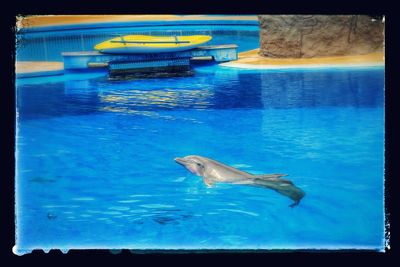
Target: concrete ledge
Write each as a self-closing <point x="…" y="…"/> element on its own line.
<point x="27" y="69"/>
<point x="301" y="66"/>
<point x="251" y="60"/>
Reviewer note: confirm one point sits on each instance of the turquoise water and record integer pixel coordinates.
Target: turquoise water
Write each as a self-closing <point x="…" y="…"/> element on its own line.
<point x="95" y="160"/>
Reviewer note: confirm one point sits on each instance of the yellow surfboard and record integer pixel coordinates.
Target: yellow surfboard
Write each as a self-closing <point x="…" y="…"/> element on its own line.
<point x="135" y="44"/>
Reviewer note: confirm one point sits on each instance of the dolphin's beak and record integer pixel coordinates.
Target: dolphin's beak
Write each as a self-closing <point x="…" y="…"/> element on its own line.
<point x="180" y="161"/>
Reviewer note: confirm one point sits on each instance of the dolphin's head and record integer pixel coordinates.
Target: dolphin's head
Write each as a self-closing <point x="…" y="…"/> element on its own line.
<point x="194" y="164"/>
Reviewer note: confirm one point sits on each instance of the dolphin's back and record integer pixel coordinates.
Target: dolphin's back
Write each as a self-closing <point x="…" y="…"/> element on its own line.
<point x="219" y="169"/>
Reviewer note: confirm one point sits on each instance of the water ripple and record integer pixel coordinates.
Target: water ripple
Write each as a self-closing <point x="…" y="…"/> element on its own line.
<point x="241" y="211"/>
<point x="156" y="206"/>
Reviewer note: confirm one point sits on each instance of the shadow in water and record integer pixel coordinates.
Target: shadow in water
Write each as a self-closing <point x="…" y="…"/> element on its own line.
<point x="74" y="97"/>
<point x="356" y="88"/>
<point x="218" y="89"/>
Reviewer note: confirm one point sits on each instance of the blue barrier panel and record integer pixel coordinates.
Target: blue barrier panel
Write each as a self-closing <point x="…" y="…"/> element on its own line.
<point x="86" y="59"/>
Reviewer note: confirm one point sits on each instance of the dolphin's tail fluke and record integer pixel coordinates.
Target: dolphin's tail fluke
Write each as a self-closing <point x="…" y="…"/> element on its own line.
<point x="282" y="186"/>
<point x="294" y="204"/>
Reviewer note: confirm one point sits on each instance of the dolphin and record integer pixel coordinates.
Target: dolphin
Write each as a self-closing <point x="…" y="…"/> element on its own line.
<point x="213" y="171"/>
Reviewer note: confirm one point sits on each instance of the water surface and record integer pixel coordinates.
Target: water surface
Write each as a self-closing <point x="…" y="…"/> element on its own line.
<point x="95" y="160"/>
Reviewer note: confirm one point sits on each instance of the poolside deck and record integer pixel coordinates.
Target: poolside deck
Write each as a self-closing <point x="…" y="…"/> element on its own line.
<point x="38" y="68"/>
<point x="39" y="21"/>
<point x="252" y="60"/>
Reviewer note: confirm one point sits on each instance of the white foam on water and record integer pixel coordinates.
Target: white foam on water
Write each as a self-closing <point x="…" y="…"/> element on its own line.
<point x="94" y="211"/>
<point x="156" y="206"/>
<point x="241" y="211"/>
<point x="79" y="220"/>
<point x="179" y="179"/>
<point x="121" y="208"/>
<point x="83" y="198"/>
<point x="138" y="211"/>
<point x="191" y="199"/>
<point x="128" y="201"/>
<point x="126" y="215"/>
<point x="142" y="195"/>
<point x="68" y="212"/>
<point x="102" y="219"/>
<point x="112" y="213"/>
<point x="55" y="206"/>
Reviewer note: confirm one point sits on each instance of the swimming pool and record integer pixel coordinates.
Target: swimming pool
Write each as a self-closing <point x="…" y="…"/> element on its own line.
<point x="47" y="45"/>
<point x="95" y="162"/>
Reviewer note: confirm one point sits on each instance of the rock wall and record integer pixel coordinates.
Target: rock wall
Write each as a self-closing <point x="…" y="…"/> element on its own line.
<point x="306" y="36"/>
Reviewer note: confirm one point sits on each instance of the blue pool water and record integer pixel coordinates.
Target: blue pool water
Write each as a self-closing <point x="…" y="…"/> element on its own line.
<point x="95" y="160"/>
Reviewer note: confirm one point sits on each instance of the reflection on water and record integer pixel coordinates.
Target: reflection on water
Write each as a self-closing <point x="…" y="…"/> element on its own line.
<point x="158" y="99"/>
<point x="219" y="89"/>
<point x="133" y="74"/>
